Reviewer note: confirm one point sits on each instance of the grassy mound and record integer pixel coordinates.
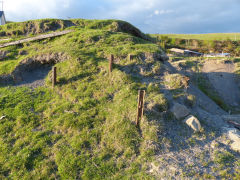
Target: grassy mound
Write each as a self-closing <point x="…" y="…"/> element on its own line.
<point x="84" y="127"/>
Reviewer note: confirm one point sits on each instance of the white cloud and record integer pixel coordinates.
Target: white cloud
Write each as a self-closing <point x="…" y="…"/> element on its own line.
<point x="32" y="9"/>
<point x="125" y="8"/>
<point x="157" y="12"/>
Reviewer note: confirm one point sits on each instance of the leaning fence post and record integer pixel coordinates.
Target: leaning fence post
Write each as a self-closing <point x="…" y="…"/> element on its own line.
<point x="54" y="76"/>
<point x="111" y="58"/>
<point x="140" y="108"/>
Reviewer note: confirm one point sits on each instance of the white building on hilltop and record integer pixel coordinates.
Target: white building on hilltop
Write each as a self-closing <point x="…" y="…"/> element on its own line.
<point x="2" y="16"/>
<point x="3" y="19"/>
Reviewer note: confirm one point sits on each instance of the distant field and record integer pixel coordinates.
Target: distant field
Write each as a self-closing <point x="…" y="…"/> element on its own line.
<point x="213" y="36"/>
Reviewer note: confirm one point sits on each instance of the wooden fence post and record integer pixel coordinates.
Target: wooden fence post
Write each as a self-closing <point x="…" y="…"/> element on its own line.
<point x="54" y="76"/>
<point x="130" y="57"/>
<point x="111" y="58"/>
<point x="140" y="108"/>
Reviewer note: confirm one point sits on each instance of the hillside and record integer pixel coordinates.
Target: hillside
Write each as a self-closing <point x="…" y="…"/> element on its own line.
<point x="210" y="36"/>
<point x="84" y="127"/>
<point x="204" y="43"/>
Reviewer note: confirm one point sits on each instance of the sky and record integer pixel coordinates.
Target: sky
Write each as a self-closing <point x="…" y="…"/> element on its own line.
<point x="150" y="16"/>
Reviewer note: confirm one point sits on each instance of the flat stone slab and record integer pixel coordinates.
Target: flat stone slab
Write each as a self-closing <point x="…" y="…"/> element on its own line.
<point x="180" y="111"/>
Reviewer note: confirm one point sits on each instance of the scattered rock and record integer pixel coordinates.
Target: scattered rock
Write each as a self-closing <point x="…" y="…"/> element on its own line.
<point x="234" y="135"/>
<point x="193" y="122"/>
<point x="180" y="111"/>
<point x="236" y="146"/>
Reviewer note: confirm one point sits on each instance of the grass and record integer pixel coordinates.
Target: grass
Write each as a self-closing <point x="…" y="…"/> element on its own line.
<point x="84" y="128"/>
<point x="223" y="158"/>
<point x="211" y="36"/>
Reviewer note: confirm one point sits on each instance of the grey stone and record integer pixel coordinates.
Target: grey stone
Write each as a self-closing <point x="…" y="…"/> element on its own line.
<point x="180" y="111"/>
<point x="236" y="146"/>
<point x="234" y="135"/>
<point x="193" y="122"/>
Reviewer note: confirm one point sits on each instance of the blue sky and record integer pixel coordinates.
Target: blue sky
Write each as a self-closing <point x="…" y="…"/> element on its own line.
<point x="151" y="16"/>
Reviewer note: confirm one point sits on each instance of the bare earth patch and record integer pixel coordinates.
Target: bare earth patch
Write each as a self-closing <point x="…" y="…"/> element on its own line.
<point x="222" y="77"/>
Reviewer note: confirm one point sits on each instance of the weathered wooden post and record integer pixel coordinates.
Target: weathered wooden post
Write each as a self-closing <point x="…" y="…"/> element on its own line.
<point x="140" y="108"/>
<point x="130" y="57"/>
<point x="54" y="76"/>
<point x="111" y="59"/>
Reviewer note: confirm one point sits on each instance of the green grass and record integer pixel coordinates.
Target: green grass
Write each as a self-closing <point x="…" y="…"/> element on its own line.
<point x="223" y="158"/>
<point x="213" y="36"/>
<point x="84" y="128"/>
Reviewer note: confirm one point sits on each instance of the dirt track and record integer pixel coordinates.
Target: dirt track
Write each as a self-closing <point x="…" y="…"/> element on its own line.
<point x="222" y="77"/>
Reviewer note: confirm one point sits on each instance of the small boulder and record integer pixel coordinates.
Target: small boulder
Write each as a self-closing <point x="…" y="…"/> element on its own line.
<point x="193" y="122"/>
<point x="180" y="111"/>
<point x="234" y="135"/>
<point x="236" y="146"/>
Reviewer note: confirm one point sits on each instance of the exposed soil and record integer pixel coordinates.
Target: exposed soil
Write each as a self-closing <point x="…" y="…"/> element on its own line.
<point x="222" y="77"/>
<point x="121" y="26"/>
<point x="35" y="77"/>
<point x="32" y="72"/>
<point x="32" y="27"/>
